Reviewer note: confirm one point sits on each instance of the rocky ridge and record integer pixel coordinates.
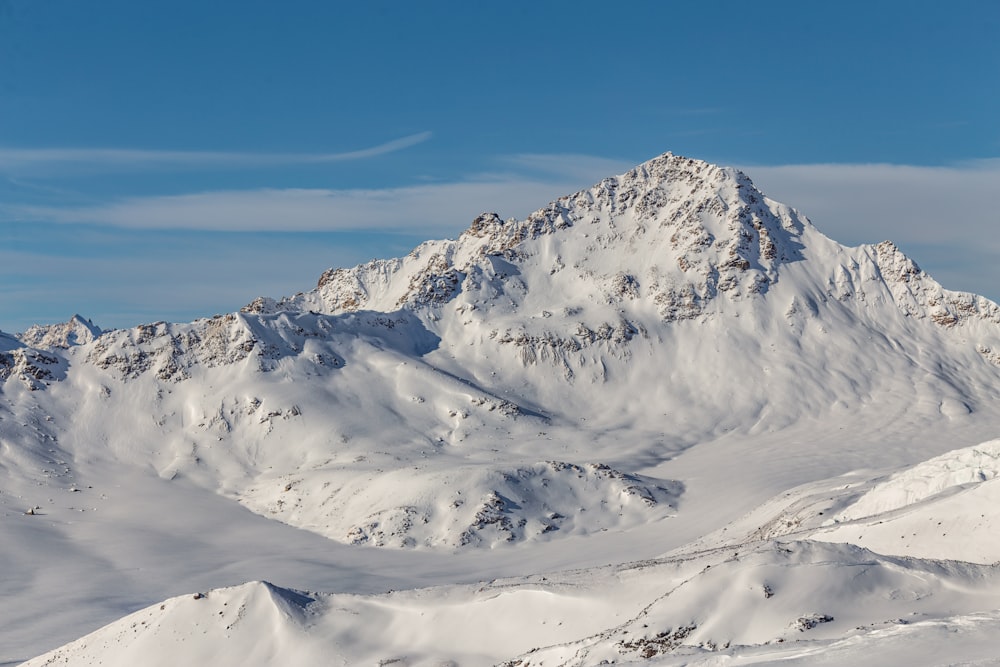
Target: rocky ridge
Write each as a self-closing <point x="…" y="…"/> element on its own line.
<point x="710" y="230"/>
<point x="677" y="237"/>
<point x="77" y="331"/>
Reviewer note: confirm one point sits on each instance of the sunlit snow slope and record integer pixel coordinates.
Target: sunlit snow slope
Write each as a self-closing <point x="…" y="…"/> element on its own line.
<point x="627" y="372"/>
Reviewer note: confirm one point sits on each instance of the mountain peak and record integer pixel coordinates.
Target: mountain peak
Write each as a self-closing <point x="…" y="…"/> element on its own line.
<point x="668" y="168"/>
<point x="78" y="330"/>
<point x="675" y="236"/>
<point x="677" y="231"/>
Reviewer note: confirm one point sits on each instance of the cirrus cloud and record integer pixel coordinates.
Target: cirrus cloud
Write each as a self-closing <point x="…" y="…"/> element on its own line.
<point x="858" y="203"/>
<point x="13" y="159"/>
<point x="433" y="207"/>
<point x="944" y="217"/>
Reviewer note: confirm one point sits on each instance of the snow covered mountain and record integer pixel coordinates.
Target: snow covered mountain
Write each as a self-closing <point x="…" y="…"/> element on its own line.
<point x="621" y="376"/>
<point x="77" y="331"/>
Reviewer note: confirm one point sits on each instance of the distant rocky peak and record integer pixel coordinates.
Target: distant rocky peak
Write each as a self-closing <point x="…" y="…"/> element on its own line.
<point x="77" y="331"/>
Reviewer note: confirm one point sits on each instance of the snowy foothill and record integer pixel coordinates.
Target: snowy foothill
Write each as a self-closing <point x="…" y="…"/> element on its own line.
<point x="663" y="420"/>
<point x="695" y="610"/>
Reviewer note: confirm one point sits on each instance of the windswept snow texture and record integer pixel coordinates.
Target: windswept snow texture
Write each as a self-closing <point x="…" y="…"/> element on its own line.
<point x="665" y="418"/>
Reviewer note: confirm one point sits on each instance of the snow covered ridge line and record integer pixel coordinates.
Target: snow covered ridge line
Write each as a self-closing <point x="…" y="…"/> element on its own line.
<point x="941" y="508"/>
<point x="170" y="351"/>
<point x="787" y="597"/>
<point x="666" y="202"/>
<point x="33" y="368"/>
<point x="677" y="237"/>
<point x="77" y="331"/>
<point x="959" y="468"/>
<point x="774" y="593"/>
<point x="477" y="506"/>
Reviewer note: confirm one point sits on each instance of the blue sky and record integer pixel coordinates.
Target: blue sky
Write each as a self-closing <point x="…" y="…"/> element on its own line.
<point x="171" y="160"/>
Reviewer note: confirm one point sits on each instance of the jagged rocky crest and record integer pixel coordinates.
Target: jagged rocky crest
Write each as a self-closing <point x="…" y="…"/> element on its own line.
<point x="77" y="331"/>
<point x="709" y="229"/>
<point x="678" y="233"/>
<point x="480" y="506"/>
<point x="675" y="238"/>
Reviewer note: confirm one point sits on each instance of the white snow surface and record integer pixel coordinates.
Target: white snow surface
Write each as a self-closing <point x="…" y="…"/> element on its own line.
<point x="663" y="421"/>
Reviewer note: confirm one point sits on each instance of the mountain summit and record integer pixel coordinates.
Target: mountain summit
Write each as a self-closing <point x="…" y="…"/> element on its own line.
<point x="676" y="231"/>
<point x="690" y="264"/>
<point x="673" y="230"/>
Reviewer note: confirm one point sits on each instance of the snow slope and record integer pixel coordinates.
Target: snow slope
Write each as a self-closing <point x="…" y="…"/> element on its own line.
<point x="715" y="604"/>
<point x="941" y="508"/>
<point x="668" y="364"/>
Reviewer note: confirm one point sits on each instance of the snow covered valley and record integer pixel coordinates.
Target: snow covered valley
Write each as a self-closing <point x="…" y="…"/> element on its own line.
<point x="660" y="421"/>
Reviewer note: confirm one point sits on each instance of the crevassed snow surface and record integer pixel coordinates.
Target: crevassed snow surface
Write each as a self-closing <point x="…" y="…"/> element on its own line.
<point x="663" y="419"/>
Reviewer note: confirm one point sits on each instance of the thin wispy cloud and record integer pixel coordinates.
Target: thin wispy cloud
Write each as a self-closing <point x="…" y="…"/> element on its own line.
<point x="944" y="217"/>
<point x="528" y="182"/>
<point x="122" y="158"/>
<point x="434" y="207"/>
<point x="860" y="203"/>
<point x="851" y="203"/>
<point x="145" y="296"/>
<point x="585" y="169"/>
